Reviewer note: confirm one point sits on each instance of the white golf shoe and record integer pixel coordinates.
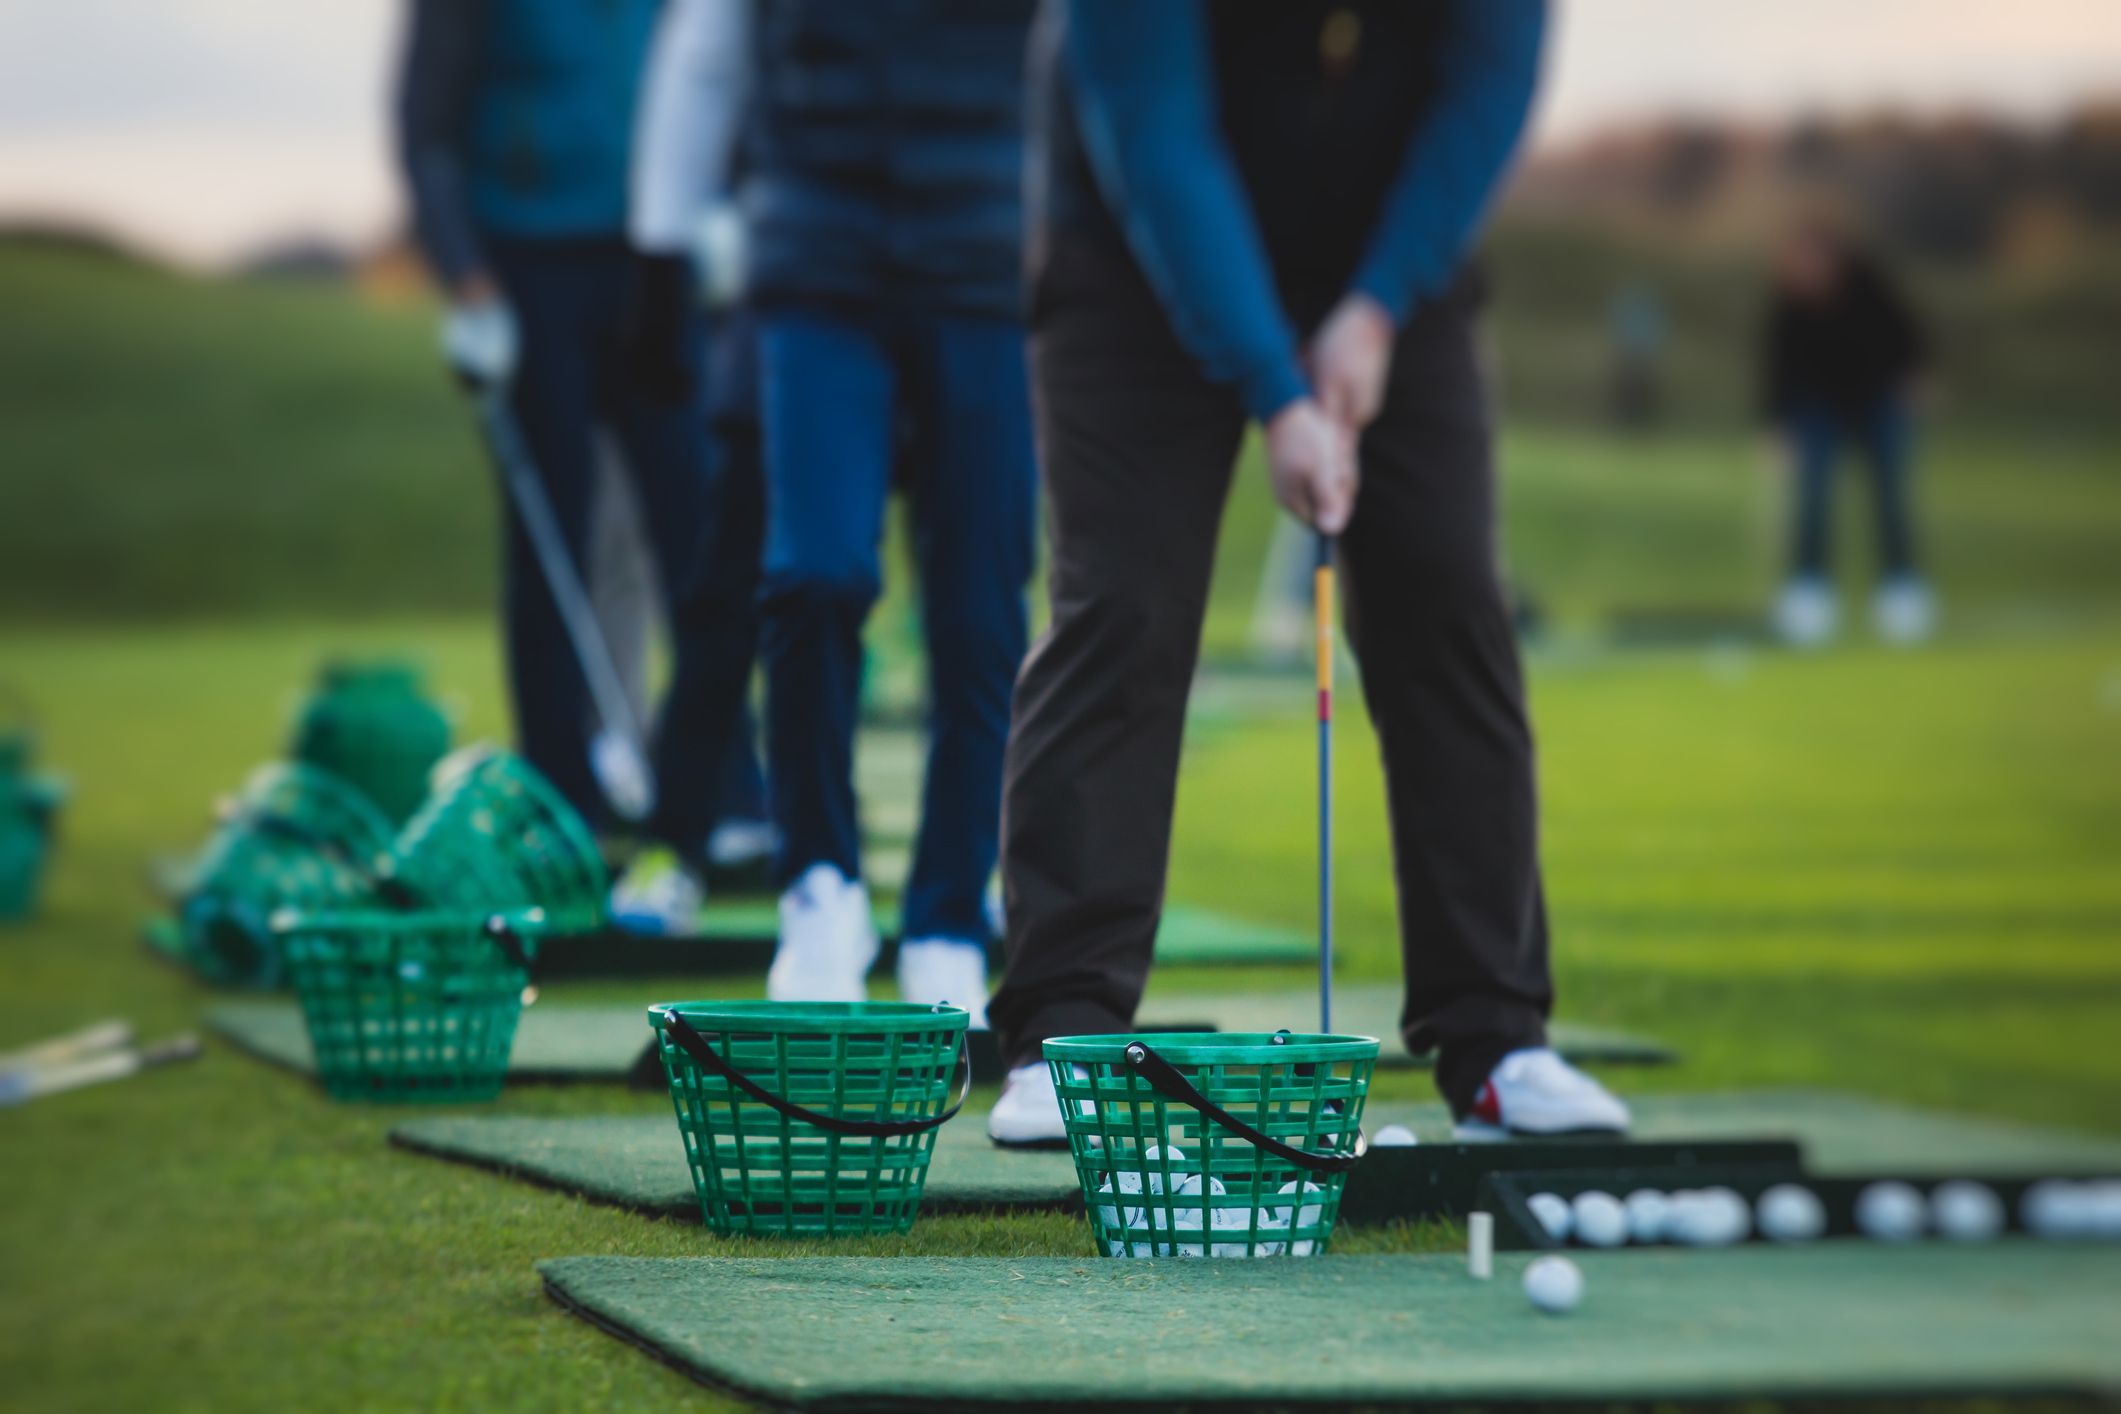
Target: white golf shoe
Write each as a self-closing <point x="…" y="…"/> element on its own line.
<point x="658" y="897"/>
<point x="1535" y="1092"/>
<point x="1028" y="1115"/>
<point x="828" y="940"/>
<point x="1904" y="611"/>
<point x="1807" y="615"/>
<point x="948" y="970"/>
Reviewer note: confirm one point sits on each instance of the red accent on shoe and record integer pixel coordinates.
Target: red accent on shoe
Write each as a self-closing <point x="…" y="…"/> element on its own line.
<point x="1487" y="1105"/>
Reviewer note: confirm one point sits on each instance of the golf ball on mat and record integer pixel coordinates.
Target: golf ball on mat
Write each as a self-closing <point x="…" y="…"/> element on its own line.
<point x="1648" y="1211"/>
<point x="1709" y="1217"/>
<point x="1891" y="1211"/>
<point x="1553" y="1213"/>
<point x="1789" y="1212"/>
<point x="1554" y="1284"/>
<point x="1393" y="1136"/>
<point x="1966" y="1212"/>
<point x="2056" y="1208"/>
<point x="1599" y="1220"/>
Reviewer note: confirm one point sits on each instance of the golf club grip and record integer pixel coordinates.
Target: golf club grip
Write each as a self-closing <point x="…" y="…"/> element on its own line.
<point x="693" y="1044"/>
<point x="1163" y="1077"/>
<point x="89" y="1040"/>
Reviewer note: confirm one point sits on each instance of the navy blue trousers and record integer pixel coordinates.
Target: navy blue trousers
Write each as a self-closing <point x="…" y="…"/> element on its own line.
<point x="701" y="498"/>
<point x="1884" y="434"/>
<point x="851" y="406"/>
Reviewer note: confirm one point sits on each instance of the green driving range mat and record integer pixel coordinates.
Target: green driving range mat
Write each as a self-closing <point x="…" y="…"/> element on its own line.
<point x="638" y="1161"/>
<point x="1371" y="1009"/>
<point x="1833" y="1319"/>
<point x="554" y="1044"/>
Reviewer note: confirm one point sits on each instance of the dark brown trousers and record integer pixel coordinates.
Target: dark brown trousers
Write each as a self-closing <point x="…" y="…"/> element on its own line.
<point x="1137" y="450"/>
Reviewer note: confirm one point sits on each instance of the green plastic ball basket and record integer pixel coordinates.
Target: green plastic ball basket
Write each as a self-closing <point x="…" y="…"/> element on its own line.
<point x="410" y="1007"/>
<point x="494" y="833"/>
<point x="295" y="836"/>
<point x="372" y="725"/>
<point x="812" y="1119"/>
<point x="1212" y="1144"/>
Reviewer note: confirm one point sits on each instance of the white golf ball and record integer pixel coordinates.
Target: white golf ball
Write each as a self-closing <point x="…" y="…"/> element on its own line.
<point x="1966" y="1212"/>
<point x="1708" y="1217"/>
<point x="1393" y="1136"/>
<point x="1648" y="1211"/>
<point x="1552" y="1210"/>
<point x="1554" y="1284"/>
<point x="1891" y="1211"/>
<point x="2057" y="1208"/>
<point x="2105" y="1206"/>
<point x="1789" y="1212"/>
<point x="1599" y="1220"/>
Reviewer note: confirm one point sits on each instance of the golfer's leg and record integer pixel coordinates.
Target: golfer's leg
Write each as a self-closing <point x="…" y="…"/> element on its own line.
<point x="1136" y="451"/>
<point x="1813" y="433"/>
<point x="974" y="502"/>
<point x="1889" y="445"/>
<point x="828" y="393"/>
<point x="1440" y="676"/>
<point x="553" y="399"/>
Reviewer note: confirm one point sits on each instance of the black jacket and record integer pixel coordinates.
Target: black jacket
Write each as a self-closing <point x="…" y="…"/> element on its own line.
<point x="1844" y="353"/>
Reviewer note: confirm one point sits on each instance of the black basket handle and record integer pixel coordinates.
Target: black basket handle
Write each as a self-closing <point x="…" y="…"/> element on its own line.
<point x="693" y="1044"/>
<point x="510" y="943"/>
<point x="1164" y="1078"/>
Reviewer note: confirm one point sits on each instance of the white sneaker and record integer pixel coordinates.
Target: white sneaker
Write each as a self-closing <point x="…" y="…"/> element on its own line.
<point x="828" y="940"/>
<point x="658" y="897"/>
<point x="1904" y="611"/>
<point x="1028" y="1114"/>
<point x="948" y="970"/>
<point x="1536" y="1092"/>
<point x="1806" y="613"/>
<point x="736" y="844"/>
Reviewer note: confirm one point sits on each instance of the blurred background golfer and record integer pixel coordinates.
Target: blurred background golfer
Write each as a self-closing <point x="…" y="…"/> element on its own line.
<point x="516" y="122"/>
<point x="1842" y="354"/>
<point x="1260" y="213"/>
<point x="883" y="197"/>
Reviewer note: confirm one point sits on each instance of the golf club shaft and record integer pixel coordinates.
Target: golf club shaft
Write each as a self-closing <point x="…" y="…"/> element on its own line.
<point x="89" y="1040"/>
<point x="1322" y="597"/>
<point x="519" y="476"/>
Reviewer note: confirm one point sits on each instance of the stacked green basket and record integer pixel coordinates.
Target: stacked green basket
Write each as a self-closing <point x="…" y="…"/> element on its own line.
<point x="29" y="803"/>
<point x="410" y="1006"/>
<point x="1212" y="1144"/>
<point x="294" y="837"/>
<point x="495" y="834"/>
<point x="372" y="725"/>
<point x="810" y="1118"/>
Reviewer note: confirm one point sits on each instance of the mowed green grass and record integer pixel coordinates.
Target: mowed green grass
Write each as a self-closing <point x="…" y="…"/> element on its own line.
<point x="1886" y="873"/>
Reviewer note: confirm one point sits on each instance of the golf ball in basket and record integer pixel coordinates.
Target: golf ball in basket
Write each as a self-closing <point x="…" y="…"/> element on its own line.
<point x="1709" y="1217"/>
<point x="1554" y="1284"/>
<point x="2056" y="1208"/>
<point x="1552" y="1210"/>
<point x="1648" y="1211"/>
<point x="1394" y="1136"/>
<point x="1599" y="1220"/>
<point x="1790" y="1212"/>
<point x="1891" y="1211"/>
<point x="1966" y="1212"/>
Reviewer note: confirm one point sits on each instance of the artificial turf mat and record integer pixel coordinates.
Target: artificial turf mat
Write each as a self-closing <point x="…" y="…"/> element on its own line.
<point x="1831" y="1319"/>
<point x="554" y="1044"/>
<point x="1370" y="1009"/>
<point x="636" y="1161"/>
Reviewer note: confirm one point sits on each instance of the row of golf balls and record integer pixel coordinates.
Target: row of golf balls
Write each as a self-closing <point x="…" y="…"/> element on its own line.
<point x="1888" y="1211"/>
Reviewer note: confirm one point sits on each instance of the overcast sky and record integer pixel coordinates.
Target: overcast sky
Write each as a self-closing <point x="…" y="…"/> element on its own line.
<point x="205" y="127"/>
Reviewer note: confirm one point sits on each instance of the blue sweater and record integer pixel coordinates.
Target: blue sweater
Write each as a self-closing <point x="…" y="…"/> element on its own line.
<point x="1261" y="160"/>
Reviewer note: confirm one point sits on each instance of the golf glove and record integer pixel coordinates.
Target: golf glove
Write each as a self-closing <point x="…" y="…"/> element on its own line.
<point x="481" y="343"/>
<point x="721" y="251"/>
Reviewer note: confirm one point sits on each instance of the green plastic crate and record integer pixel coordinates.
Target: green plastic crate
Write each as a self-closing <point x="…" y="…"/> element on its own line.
<point x="875" y="1079"/>
<point x="495" y="833"/>
<point x="372" y="725"/>
<point x="29" y="808"/>
<point x="295" y="836"/>
<point x="410" y="1007"/>
<point x="1158" y="1127"/>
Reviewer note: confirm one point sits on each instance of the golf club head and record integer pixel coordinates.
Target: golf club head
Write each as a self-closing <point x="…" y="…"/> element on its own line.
<point x="622" y="770"/>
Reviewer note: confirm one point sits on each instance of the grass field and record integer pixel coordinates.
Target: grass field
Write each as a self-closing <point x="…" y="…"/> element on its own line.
<point x="1889" y="873"/>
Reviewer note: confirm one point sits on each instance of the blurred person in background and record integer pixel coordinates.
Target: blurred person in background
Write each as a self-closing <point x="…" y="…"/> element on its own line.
<point x="1635" y="335"/>
<point x="1842" y="356"/>
<point x="884" y="208"/>
<point x="1261" y="214"/>
<point x="515" y="132"/>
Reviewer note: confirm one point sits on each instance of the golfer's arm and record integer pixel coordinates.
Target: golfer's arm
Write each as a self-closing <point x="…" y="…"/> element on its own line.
<point x="1145" y="100"/>
<point x="691" y="110"/>
<point x="433" y="111"/>
<point x="1489" y="69"/>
